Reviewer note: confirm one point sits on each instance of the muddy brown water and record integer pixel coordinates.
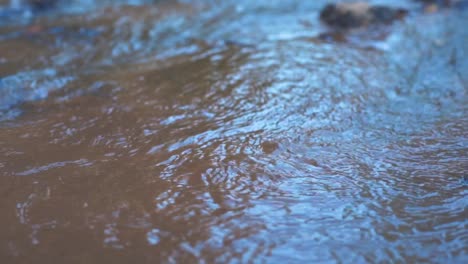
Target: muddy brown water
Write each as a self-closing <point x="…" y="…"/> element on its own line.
<point x="222" y="131"/>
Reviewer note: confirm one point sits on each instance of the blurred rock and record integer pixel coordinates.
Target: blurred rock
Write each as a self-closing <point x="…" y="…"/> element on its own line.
<point x="42" y="4"/>
<point x="359" y="14"/>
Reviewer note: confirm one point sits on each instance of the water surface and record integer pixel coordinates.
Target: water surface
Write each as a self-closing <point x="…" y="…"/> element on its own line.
<point x="225" y="131"/>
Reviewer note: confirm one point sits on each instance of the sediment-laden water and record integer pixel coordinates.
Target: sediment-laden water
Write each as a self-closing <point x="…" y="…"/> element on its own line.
<point x="225" y="131"/>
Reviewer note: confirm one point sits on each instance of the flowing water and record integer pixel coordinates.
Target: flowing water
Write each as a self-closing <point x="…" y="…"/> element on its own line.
<point x="225" y="131"/>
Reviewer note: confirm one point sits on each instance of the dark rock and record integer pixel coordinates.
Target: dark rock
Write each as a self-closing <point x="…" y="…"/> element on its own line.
<point x="345" y="15"/>
<point x="42" y="4"/>
<point x="386" y="15"/>
<point x="359" y="14"/>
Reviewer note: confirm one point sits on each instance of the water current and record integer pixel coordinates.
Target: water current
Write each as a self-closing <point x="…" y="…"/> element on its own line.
<point x="226" y="132"/>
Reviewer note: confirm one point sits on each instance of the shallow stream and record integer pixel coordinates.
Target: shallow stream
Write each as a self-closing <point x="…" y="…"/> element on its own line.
<point x="225" y="131"/>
